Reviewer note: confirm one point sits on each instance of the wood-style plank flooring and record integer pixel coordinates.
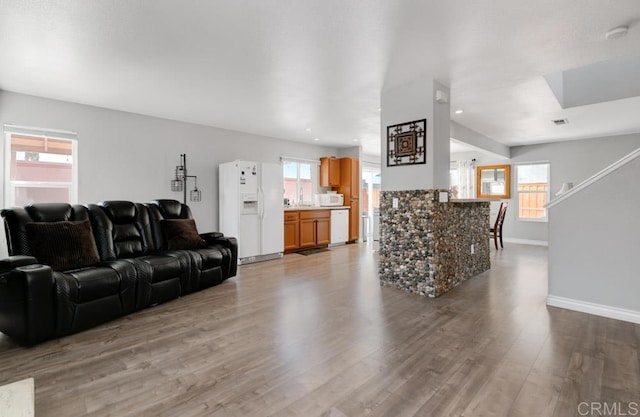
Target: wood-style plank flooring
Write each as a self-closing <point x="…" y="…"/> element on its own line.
<point x="317" y="336"/>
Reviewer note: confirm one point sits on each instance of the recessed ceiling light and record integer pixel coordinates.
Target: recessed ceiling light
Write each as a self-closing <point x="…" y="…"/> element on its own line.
<point x="316" y="139"/>
<point x="379" y="108"/>
<point x="618" y="32"/>
<point x="308" y="129"/>
<point x="459" y="111"/>
<point x="356" y="140"/>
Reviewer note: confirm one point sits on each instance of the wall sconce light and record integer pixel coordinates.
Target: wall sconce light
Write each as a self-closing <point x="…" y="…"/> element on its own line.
<point x="566" y="186"/>
<point x="195" y="194"/>
<point x="181" y="177"/>
<point x="177" y="184"/>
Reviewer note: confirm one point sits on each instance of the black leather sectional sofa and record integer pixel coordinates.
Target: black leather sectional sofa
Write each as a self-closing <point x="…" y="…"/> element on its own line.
<point x="131" y="256"/>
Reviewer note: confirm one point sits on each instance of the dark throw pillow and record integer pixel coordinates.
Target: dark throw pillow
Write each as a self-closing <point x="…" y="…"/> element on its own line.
<point x="63" y="245"/>
<point x="182" y="234"/>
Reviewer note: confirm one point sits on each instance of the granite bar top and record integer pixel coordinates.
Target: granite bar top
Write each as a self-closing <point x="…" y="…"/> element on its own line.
<point x="472" y="200"/>
<point x="316" y="208"/>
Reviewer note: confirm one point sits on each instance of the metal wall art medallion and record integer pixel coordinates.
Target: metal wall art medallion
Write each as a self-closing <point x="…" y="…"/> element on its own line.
<point x="407" y="143"/>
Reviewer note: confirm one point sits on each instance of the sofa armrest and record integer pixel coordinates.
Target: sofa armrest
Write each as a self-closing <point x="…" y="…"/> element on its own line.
<point x="7" y="264"/>
<point x="230" y="243"/>
<point x="27" y="312"/>
<point x="211" y="236"/>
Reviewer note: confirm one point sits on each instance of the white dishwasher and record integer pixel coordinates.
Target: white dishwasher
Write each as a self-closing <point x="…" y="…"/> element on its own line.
<point x="339" y="226"/>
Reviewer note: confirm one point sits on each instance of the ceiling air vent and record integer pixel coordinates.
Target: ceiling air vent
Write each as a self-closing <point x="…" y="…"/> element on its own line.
<point x="559" y="122"/>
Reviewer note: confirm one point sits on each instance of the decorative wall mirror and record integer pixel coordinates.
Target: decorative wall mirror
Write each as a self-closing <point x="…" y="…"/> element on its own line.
<point x="493" y="181"/>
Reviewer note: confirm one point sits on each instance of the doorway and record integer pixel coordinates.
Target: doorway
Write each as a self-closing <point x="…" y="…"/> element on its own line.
<point x="371" y="181"/>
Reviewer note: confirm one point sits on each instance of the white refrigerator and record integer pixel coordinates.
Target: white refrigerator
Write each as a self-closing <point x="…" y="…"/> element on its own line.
<point x="252" y="208"/>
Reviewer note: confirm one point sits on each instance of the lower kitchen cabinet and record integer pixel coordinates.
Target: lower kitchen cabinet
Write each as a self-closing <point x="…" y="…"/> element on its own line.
<point x="307" y="233"/>
<point x="306" y="229"/>
<point x="323" y="230"/>
<point x="291" y="231"/>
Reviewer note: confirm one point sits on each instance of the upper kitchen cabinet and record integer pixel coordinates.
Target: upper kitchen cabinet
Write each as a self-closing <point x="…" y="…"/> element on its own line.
<point x="349" y="178"/>
<point x="329" y="172"/>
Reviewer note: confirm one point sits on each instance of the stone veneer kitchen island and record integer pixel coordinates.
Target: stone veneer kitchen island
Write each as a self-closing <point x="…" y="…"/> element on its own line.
<point x="426" y="245"/>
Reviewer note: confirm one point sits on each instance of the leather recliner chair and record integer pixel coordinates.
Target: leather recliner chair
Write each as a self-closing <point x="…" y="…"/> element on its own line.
<point x="76" y="299"/>
<point x="205" y="260"/>
<point x="160" y="277"/>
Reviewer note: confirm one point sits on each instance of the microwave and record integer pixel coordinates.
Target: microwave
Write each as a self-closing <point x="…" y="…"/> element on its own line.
<point x="329" y="200"/>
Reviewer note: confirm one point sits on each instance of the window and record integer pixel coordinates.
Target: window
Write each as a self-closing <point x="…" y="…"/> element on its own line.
<point x="493" y="181"/>
<point x="533" y="191"/>
<point x="39" y="166"/>
<point x="300" y="181"/>
<point x="462" y="178"/>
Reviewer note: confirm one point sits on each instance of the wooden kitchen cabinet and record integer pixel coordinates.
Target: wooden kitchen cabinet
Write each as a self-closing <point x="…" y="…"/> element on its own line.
<point x="329" y="172"/>
<point x="313" y="228"/>
<point x="350" y="188"/>
<point x="323" y="230"/>
<point x="291" y="231"/>
<point x="307" y="233"/>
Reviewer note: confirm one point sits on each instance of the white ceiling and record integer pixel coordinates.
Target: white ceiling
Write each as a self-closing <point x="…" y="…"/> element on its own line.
<point x="277" y="67"/>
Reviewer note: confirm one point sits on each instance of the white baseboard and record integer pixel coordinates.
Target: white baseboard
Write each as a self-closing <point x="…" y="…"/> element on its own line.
<point x="595" y="309"/>
<point x="525" y="241"/>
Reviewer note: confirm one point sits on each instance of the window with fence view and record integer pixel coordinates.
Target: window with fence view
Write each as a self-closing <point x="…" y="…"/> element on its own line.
<point x="41" y="169"/>
<point x="533" y="191"/>
<point x="298" y="182"/>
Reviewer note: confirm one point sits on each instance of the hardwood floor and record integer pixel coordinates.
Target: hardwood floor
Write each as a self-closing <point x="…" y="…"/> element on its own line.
<point x="317" y="336"/>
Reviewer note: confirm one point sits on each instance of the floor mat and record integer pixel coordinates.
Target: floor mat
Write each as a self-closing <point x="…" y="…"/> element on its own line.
<point x="312" y="251"/>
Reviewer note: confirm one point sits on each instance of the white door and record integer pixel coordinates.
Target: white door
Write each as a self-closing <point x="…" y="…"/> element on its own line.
<point x="272" y="210"/>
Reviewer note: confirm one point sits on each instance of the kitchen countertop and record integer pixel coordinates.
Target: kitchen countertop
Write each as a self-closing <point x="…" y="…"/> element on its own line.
<point x="316" y="208"/>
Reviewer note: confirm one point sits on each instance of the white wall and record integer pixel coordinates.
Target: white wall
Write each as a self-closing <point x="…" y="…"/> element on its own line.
<point x="371" y="159"/>
<point x="441" y="138"/>
<point x="126" y="156"/>
<point x="350" y="152"/>
<point x="471" y="137"/>
<point x="415" y="101"/>
<point x="594" y="245"/>
<point x="571" y="161"/>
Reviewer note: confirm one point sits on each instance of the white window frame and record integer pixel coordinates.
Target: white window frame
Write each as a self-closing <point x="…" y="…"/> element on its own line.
<point x="315" y="168"/>
<point x="9" y="186"/>
<point x="544" y="219"/>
